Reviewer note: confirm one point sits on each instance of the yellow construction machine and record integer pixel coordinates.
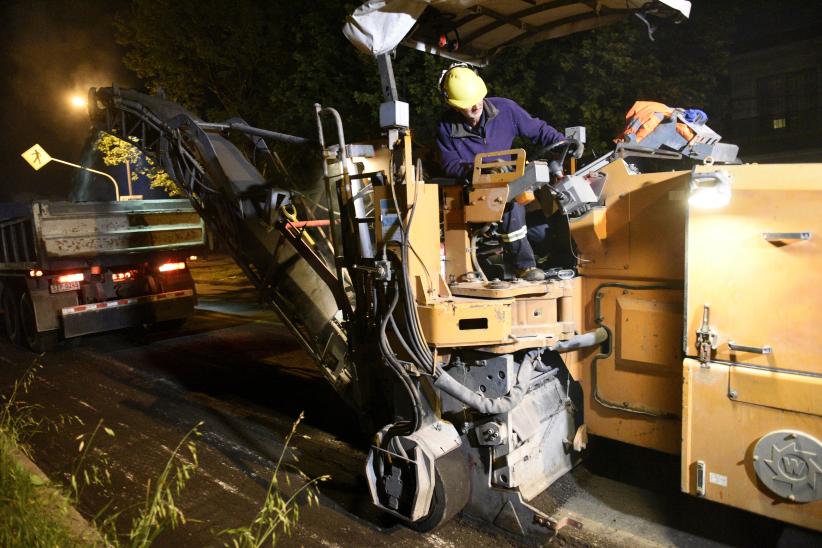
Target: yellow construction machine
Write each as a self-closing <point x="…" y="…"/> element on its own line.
<point x="678" y="313"/>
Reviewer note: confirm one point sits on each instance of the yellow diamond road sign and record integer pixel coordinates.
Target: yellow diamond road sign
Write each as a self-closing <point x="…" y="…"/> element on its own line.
<point x="36" y="157"/>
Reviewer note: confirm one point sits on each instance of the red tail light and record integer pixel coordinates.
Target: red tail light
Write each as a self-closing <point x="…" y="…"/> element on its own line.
<point x="170" y="267"/>
<point x="68" y="278"/>
<point x="123" y="276"/>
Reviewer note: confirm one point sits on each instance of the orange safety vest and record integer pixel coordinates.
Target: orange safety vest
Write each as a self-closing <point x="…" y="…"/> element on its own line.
<point x="645" y="116"/>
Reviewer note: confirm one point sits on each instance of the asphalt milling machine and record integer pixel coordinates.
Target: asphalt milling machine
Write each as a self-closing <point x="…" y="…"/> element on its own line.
<point x="679" y="315"/>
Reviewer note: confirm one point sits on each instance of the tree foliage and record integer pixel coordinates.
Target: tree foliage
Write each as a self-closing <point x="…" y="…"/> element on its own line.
<point x="269" y="62"/>
<point x="117" y="152"/>
<point x="593" y="78"/>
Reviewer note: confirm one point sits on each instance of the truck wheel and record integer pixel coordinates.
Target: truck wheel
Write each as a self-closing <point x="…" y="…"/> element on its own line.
<point x="36" y="341"/>
<point x="11" y="315"/>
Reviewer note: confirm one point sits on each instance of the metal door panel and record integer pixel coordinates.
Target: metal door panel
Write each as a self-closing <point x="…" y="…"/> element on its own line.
<point x="764" y="296"/>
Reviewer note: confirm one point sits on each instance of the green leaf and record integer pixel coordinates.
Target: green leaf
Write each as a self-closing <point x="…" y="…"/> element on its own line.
<point x="36" y="480"/>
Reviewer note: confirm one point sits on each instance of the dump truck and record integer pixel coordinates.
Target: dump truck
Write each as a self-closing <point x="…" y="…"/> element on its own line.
<point x="664" y="323"/>
<point x="73" y="268"/>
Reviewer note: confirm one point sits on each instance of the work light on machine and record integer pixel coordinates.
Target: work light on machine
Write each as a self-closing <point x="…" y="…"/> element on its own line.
<point x="710" y="190"/>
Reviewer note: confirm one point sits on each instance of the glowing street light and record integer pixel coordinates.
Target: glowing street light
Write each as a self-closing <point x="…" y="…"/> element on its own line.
<point x="77" y="101"/>
<point x="37" y="157"/>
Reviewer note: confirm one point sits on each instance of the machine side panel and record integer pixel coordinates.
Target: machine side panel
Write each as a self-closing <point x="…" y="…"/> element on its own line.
<point x="637" y="238"/>
<point x="754" y="262"/>
<point x="724" y="461"/>
<point x="752" y="413"/>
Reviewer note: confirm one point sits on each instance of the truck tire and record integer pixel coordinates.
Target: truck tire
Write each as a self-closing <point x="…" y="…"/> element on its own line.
<point x="36" y="341"/>
<point x="11" y="315"/>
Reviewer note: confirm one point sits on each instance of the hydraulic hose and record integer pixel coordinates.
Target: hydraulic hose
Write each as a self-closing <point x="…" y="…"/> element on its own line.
<point x="399" y="337"/>
<point x="398" y="368"/>
<point x="491" y="406"/>
<point x="410" y="344"/>
<point x="474" y="260"/>
<point x="584" y="340"/>
<point x="421" y="353"/>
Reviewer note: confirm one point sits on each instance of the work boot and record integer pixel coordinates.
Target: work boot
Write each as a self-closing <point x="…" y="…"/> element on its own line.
<point x="531" y="274"/>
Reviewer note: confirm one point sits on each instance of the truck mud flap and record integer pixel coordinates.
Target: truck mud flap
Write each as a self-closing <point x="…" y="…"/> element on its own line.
<point x="117" y="314"/>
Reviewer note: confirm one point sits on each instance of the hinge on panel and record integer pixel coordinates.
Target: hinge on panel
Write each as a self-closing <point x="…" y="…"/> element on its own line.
<point x="706" y="337"/>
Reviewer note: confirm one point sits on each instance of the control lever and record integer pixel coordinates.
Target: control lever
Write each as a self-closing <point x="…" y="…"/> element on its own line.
<point x="555" y="169"/>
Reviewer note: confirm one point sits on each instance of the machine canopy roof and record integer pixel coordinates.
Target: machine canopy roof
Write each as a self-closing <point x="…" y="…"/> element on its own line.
<point x="473" y="30"/>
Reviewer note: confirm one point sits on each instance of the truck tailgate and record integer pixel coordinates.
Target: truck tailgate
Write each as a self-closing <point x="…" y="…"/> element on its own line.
<point x="68" y="229"/>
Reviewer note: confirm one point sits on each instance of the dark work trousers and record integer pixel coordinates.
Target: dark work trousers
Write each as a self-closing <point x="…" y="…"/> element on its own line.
<point x="513" y="231"/>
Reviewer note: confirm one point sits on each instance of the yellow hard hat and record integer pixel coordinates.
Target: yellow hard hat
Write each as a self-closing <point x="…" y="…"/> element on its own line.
<point x="462" y="87"/>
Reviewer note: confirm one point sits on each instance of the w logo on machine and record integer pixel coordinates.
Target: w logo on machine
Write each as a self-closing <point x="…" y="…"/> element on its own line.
<point x="788" y="464"/>
<point x="793" y="466"/>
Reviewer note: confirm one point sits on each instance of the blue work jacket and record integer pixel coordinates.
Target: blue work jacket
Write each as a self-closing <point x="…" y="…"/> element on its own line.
<point x="502" y="121"/>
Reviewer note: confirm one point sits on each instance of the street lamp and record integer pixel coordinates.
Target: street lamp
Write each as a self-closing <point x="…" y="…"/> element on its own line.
<point x="78" y="102"/>
<point x="37" y="157"/>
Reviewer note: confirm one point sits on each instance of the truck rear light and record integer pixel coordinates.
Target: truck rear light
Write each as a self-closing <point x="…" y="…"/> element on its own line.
<point x="123" y="276"/>
<point x="35" y="273"/>
<point x="169" y="267"/>
<point x="68" y="278"/>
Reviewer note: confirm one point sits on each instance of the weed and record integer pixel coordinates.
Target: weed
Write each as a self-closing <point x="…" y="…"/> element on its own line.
<point x="277" y="511"/>
<point x="29" y="514"/>
<point x="17" y="420"/>
<point x="96" y="473"/>
<point x="27" y="518"/>
<point x="159" y="511"/>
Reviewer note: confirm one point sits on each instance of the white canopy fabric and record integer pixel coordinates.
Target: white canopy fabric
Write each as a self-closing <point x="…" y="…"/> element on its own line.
<point x="378" y="26"/>
<point x="472" y="30"/>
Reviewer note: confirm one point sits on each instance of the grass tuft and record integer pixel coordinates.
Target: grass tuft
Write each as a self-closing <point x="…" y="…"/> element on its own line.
<point x="160" y="512"/>
<point x="33" y="512"/>
<point x="279" y="512"/>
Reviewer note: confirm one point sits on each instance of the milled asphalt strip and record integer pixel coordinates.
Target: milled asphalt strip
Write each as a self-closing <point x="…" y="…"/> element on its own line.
<point x="165" y="386"/>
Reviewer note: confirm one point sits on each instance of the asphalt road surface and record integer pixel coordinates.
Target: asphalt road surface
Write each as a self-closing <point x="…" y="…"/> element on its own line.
<point x="234" y="368"/>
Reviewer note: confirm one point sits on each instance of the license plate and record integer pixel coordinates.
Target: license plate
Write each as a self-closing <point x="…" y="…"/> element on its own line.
<point x="67" y="286"/>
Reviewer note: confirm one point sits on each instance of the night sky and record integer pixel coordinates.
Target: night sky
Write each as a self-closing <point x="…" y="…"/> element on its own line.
<point x="51" y="50"/>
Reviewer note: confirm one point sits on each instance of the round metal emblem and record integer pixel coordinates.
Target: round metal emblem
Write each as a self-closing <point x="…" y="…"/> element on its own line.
<point x="789" y="464"/>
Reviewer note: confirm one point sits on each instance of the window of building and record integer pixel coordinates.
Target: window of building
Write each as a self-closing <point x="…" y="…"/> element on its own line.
<point x="788" y="101"/>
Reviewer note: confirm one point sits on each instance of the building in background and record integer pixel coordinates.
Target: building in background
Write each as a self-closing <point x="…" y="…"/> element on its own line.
<point x="776" y="84"/>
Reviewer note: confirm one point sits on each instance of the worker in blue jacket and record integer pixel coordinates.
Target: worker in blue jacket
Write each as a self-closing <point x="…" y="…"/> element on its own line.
<point x="478" y="124"/>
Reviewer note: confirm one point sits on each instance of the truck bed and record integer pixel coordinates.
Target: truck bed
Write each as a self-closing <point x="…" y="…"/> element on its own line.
<point x="43" y="231"/>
